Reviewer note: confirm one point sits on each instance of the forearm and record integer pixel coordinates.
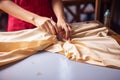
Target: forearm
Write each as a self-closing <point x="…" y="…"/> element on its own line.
<point x="18" y="12"/>
<point x="58" y="9"/>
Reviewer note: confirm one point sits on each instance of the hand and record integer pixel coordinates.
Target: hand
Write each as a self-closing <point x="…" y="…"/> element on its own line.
<point x="64" y="29"/>
<point x="46" y="25"/>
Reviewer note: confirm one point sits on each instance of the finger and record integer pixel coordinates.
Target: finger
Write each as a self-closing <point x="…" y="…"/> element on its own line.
<point x="43" y="28"/>
<point x="51" y="27"/>
<point x="47" y="28"/>
<point x="70" y="30"/>
<point x="69" y="27"/>
<point x="60" y="29"/>
<point x="55" y="26"/>
<point x="61" y="32"/>
<point x="66" y="32"/>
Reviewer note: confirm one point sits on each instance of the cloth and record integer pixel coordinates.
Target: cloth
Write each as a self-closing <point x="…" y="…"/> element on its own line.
<point x="90" y="43"/>
<point x="18" y="45"/>
<point x="39" y="7"/>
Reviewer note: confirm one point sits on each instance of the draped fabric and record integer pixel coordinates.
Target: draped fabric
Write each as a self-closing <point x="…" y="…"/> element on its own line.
<point x="18" y="45"/>
<point x="90" y="43"/>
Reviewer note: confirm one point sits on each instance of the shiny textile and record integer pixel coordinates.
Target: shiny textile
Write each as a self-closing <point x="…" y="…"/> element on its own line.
<point x="90" y="44"/>
<point x="18" y="45"/>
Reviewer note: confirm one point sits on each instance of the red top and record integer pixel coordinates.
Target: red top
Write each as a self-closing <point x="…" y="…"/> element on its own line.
<point x="40" y="7"/>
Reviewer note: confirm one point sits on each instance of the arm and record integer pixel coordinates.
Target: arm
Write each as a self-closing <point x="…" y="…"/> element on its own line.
<point x="16" y="11"/>
<point x="13" y="9"/>
<point x="58" y="9"/>
<point x="61" y="23"/>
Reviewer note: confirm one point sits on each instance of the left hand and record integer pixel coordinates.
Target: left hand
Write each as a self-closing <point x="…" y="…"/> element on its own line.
<point x="64" y="29"/>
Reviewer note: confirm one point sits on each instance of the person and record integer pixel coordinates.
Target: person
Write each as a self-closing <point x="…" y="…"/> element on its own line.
<point x="45" y="14"/>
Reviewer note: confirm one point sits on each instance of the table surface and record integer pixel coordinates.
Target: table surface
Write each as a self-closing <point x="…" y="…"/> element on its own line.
<point x="51" y="66"/>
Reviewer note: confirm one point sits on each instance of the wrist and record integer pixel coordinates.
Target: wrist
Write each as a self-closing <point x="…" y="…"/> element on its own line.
<point x="61" y="19"/>
<point x="35" y="20"/>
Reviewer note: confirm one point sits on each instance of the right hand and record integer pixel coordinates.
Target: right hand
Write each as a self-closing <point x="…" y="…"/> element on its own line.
<point x="46" y="25"/>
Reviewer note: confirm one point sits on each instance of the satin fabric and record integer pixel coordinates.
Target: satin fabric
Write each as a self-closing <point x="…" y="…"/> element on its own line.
<point x="15" y="46"/>
<point x="90" y="43"/>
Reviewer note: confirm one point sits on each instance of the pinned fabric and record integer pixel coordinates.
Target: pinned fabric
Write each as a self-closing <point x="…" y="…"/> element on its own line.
<point x="90" y="43"/>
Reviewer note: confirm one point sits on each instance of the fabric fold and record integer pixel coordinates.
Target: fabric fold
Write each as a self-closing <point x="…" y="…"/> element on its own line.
<point x="15" y="46"/>
<point x="90" y="43"/>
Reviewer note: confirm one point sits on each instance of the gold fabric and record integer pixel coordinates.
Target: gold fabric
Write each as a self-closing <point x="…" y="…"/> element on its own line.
<point x="18" y="45"/>
<point x="89" y="44"/>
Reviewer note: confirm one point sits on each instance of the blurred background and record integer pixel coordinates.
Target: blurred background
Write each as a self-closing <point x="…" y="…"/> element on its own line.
<point x="84" y="10"/>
